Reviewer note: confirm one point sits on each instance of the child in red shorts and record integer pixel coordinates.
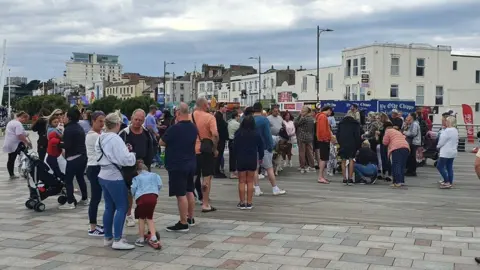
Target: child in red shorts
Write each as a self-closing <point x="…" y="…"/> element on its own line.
<point x="145" y="189"/>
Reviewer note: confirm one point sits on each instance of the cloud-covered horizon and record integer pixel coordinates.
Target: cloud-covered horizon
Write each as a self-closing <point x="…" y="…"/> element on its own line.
<point x="42" y="34"/>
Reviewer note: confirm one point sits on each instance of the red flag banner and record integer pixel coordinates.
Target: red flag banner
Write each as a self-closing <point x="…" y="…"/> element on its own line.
<point x="468" y="119"/>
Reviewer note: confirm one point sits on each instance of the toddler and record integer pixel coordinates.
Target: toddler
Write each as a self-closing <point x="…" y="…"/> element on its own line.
<point x="332" y="160"/>
<point x="54" y="151"/>
<point x="145" y="189"/>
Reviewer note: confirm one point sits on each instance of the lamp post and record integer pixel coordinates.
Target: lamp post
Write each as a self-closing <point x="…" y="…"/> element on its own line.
<point x="317" y="79"/>
<point x="259" y="59"/>
<point x="165" y="64"/>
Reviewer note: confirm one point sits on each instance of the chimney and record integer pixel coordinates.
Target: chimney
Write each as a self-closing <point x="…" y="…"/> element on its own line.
<point x="301" y="68"/>
<point x="288" y="67"/>
<point x="272" y="67"/>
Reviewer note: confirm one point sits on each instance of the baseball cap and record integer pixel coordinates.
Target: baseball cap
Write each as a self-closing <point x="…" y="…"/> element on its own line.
<point x="394" y="111"/>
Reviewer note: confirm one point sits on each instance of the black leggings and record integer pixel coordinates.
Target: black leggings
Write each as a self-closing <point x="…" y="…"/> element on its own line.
<point x="198" y="187"/>
<point x="11" y="163"/>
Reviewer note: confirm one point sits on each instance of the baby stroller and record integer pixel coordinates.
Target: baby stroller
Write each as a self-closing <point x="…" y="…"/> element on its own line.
<point x="40" y="182"/>
<point x="430" y="147"/>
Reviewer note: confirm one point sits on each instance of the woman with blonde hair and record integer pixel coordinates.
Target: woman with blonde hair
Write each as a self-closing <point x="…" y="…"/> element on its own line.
<point x="448" y="144"/>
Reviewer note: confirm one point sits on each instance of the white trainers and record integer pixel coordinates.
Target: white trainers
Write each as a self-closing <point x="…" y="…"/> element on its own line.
<point x="85" y="202"/>
<point x="285" y="163"/>
<point x="67" y="206"/>
<point x="261" y="176"/>
<point x="130" y="221"/>
<point x="310" y="169"/>
<point x="277" y="191"/>
<point x="107" y="242"/>
<point x="289" y="163"/>
<point x="258" y="192"/>
<point x="302" y="171"/>
<point x="122" y="245"/>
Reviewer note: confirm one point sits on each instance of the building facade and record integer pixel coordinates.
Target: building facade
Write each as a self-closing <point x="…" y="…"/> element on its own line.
<point x="86" y="68"/>
<point x="126" y="89"/>
<point x="17" y="80"/>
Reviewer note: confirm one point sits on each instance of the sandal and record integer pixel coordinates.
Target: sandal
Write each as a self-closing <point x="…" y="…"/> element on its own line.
<point x="212" y="209"/>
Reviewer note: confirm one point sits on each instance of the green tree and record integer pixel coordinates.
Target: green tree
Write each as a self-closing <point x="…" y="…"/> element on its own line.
<point x="128" y="106"/>
<point x="32" y="105"/>
<point x="107" y="104"/>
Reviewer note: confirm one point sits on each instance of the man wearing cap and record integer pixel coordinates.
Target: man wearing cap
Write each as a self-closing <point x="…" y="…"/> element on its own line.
<point x="396" y="120"/>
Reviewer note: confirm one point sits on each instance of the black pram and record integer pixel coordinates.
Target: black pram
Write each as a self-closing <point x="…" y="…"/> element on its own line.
<point x="41" y="183"/>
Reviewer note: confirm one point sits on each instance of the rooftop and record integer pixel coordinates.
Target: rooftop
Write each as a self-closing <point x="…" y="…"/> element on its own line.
<point x="420" y="46"/>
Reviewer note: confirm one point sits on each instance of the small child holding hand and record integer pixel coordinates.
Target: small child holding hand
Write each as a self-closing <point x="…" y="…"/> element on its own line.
<point x="145" y="189"/>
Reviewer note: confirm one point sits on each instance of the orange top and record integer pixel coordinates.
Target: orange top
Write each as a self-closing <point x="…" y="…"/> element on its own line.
<point x="394" y="139"/>
<point x="324" y="133"/>
<point x="206" y="125"/>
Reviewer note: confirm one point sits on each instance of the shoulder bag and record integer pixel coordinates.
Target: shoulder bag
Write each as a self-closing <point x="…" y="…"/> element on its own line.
<point x="128" y="172"/>
<point x="206" y="145"/>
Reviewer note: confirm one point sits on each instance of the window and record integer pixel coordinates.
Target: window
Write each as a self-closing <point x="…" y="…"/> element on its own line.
<point x="272" y="82"/>
<point x="202" y="87"/>
<point x="394" y="91"/>
<point x="182" y="87"/>
<point x="477" y="76"/>
<point x="420" y="67"/>
<point x="181" y="98"/>
<point x="304" y="83"/>
<point x="347" y="92"/>
<point x="355" y="67"/>
<point x="233" y="86"/>
<point x="330" y="81"/>
<point x="420" y="99"/>
<point x="354" y="92"/>
<point x="362" y="93"/>
<point x="348" y="67"/>
<point x="455" y="65"/>
<point x="250" y="86"/>
<point x="264" y="83"/>
<point x="256" y="85"/>
<point x="209" y="87"/>
<point x="439" y="95"/>
<point x="363" y="63"/>
<point x="395" y="66"/>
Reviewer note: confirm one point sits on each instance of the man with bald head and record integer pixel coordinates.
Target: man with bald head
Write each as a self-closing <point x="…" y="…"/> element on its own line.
<point x="141" y="142"/>
<point x="180" y="161"/>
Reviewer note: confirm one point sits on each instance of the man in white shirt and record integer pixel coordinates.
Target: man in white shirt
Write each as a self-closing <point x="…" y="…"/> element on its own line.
<point x="276" y="121"/>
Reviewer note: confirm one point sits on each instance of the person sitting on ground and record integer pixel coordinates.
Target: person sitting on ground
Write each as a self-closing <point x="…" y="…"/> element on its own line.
<point x="366" y="165"/>
<point x="145" y="189"/>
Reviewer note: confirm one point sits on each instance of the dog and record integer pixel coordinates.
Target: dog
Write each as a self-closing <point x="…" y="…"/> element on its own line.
<point x="281" y="149"/>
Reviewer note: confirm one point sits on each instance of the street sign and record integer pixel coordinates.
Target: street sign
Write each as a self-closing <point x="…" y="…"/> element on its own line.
<point x="365" y="78"/>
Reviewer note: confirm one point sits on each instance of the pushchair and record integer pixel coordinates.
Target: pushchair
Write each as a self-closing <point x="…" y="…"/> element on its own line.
<point x="430" y="147"/>
<point x="41" y="183"/>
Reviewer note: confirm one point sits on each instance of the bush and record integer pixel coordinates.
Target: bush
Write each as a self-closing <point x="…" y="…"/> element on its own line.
<point x="107" y="104"/>
<point x="32" y="105"/>
<point x="128" y="106"/>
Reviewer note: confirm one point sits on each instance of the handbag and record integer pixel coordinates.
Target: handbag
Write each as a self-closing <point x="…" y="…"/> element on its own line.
<point x="283" y="133"/>
<point x="206" y="145"/>
<point x="128" y="172"/>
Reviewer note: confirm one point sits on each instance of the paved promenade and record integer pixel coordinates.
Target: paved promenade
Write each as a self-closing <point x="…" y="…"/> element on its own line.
<point x="312" y="227"/>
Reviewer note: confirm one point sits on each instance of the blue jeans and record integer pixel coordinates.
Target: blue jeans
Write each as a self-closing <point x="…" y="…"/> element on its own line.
<point x="115" y="193"/>
<point x="96" y="191"/>
<point x="399" y="161"/>
<point x="445" y="167"/>
<point x="368" y="170"/>
<point x="76" y="169"/>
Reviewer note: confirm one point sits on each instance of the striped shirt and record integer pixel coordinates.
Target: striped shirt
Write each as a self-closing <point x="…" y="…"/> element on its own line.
<point x="394" y="139"/>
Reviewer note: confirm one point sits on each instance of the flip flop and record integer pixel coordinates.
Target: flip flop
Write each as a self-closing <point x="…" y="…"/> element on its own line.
<point x="212" y="209"/>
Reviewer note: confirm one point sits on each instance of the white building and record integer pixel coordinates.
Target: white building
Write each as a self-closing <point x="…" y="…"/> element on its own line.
<point x="178" y="90"/>
<point x="85" y="69"/>
<point x="432" y="76"/>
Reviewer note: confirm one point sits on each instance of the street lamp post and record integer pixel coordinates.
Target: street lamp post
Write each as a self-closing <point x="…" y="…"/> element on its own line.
<point x="165" y="64"/>
<point x="259" y="59"/>
<point x="317" y="79"/>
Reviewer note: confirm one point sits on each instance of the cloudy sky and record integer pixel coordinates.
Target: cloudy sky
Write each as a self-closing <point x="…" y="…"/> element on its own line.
<point x="41" y="34"/>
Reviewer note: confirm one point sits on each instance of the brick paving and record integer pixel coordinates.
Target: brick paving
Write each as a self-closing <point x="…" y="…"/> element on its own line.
<point x="58" y="239"/>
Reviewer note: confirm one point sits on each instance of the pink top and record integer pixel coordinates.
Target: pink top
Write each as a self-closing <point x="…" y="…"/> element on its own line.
<point x="394" y="139"/>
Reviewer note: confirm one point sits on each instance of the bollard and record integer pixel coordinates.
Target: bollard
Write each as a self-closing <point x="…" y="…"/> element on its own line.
<point x="461" y="144"/>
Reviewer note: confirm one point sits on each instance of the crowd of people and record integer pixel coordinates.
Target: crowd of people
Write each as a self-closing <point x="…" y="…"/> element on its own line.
<point x="117" y="156"/>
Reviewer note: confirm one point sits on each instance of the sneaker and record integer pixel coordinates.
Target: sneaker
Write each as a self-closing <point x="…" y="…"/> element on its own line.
<point x="329" y="173"/>
<point x="191" y="222"/>
<point x="67" y="206"/>
<point x="233" y="176"/>
<point x="13" y="177"/>
<point x="241" y="206"/>
<point x="179" y="227"/>
<point x="140" y="242"/>
<point x="248" y="206"/>
<point x="299" y="168"/>
<point x="446" y="186"/>
<point x="441" y="182"/>
<point x="302" y="171"/>
<point x="199" y="202"/>
<point x="345" y="182"/>
<point x="277" y="191"/>
<point x="350" y="182"/>
<point x="85" y="202"/>
<point x="258" y="192"/>
<point x="285" y="163"/>
<point x="130" y="221"/>
<point x="310" y="169"/>
<point x="396" y="185"/>
<point x="289" y="163"/>
<point x="261" y="176"/>
<point x="96" y="232"/>
<point x="388" y="179"/>
<point x="107" y="242"/>
<point x="122" y="245"/>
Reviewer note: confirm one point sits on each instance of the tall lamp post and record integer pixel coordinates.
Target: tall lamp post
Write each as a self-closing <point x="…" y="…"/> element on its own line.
<point x="317" y="79"/>
<point x="259" y="59"/>
<point x="165" y="64"/>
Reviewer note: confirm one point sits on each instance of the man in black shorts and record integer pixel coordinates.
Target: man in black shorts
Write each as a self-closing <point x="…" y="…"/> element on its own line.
<point x="180" y="162"/>
<point x="349" y="137"/>
<point x="322" y="143"/>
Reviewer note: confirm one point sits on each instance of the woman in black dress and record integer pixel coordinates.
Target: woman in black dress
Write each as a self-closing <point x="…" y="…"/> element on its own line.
<point x="249" y="150"/>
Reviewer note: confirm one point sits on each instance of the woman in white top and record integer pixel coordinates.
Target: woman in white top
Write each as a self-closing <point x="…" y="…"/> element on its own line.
<point x="448" y="144"/>
<point x="93" y="169"/>
<point x="14" y="135"/>
<point x="290" y="128"/>
<point x="113" y="154"/>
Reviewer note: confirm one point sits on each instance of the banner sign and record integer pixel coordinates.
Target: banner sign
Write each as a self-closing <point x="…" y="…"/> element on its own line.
<point x="343" y="106"/>
<point x="468" y="119"/>
<point x="404" y="106"/>
<point x="284" y="97"/>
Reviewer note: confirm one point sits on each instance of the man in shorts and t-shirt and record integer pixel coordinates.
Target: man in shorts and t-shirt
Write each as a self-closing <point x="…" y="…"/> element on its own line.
<point x="207" y="129"/>
<point x="181" y="163"/>
<point x="324" y="136"/>
<point x="262" y="125"/>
